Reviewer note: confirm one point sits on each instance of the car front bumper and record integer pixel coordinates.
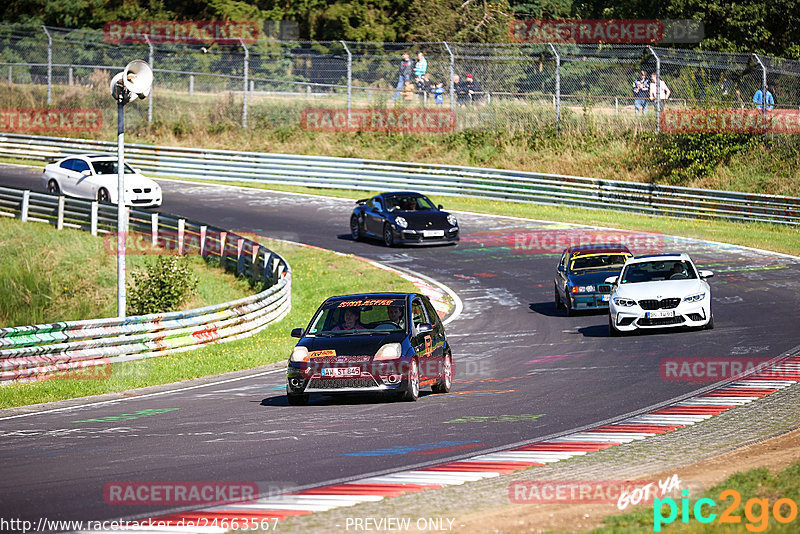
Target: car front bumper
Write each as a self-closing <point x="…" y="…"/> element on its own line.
<point x="627" y="319"/>
<point x="375" y="377"/>
<point x="589" y="301"/>
<point x="424" y="237"/>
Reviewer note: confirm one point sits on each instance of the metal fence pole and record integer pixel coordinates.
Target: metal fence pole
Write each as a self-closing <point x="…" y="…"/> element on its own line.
<point x="49" y="65"/>
<point x="658" y="88"/>
<point x="763" y="92"/>
<point x="349" y="80"/>
<point x="244" y="102"/>
<point x="558" y="86"/>
<point x="452" y="72"/>
<point x="150" y="96"/>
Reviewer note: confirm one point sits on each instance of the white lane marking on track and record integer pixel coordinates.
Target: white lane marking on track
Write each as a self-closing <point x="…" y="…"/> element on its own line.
<point x="144" y="396"/>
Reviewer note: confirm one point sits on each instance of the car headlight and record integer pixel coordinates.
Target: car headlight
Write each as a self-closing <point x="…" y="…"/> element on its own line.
<point x="299" y="354"/>
<point x="451" y="219"/>
<point x="390" y="351"/>
<point x="581" y="289"/>
<point x="401" y="222"/>
<point x="694" y="298"/>
<point x="627" y="303"/>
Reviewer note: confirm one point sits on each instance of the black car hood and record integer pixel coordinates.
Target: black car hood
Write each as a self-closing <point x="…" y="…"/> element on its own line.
<point x="350" y="345"/>
<point x="425" y="220"/>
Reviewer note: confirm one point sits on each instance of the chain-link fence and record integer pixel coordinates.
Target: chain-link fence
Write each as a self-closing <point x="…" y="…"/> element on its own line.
<point x="268" y="83"/>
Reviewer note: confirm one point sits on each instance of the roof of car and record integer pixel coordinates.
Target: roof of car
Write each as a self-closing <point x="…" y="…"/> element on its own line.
<point x="371" y="296"/>
<point x="598" y="248"/>
<point x="649" y="257"/>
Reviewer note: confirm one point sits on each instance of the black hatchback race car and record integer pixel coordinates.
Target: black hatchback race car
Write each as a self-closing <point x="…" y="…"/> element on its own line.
<point x="376" y="342"/>
<point x="403" y="218"/>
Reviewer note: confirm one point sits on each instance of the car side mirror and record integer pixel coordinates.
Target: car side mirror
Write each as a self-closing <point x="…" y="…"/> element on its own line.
<point x="424" y="328"/>
<point x="706" y="274"/>
<point x="440" y="207"/>
<point x="297" y="332"/>
<point x="611" y="280"/>
<point x="561" y="268"/>
<point x="86" y="172"/>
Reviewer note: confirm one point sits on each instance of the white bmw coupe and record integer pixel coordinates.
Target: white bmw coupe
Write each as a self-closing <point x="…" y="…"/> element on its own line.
<point x="659" y="291"/>
<point x="95" y="177"/>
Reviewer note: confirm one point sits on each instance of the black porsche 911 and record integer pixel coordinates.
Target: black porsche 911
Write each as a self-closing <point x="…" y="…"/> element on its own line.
<point x="403" y="218"/>
<point x="376" y="342"/>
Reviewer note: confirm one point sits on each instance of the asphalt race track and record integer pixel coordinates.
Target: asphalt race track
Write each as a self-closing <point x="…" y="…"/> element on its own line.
<point x="523" y="370"/>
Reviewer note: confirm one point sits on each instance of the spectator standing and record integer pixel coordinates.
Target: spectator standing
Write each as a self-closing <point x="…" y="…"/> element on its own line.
<point x="404" y="75"/>
<point x="663" y="92"/>
<point x="760" y="101"/>
<point x="641" y="92"/>
<point x="474" y="89"/>
<point x="461" y="90"/>
<point x="438" y="93"/>
<point x="420" y="69"/>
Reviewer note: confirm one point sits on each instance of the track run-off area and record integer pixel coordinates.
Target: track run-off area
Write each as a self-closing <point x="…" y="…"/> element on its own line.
<point x="524" y="371"/>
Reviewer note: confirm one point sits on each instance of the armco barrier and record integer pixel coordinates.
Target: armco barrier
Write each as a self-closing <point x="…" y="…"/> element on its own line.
<point x="74" y="348"/>
<point x="359" y="174"/>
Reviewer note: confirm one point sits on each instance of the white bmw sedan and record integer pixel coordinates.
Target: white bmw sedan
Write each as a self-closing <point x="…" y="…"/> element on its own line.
<point x="95" y="177"/>
<point x="659" y="291"/>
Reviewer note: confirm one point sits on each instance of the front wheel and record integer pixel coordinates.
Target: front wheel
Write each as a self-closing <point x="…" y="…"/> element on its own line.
<point x="388" y="235"/>
<point x="612" y="330"/>
<point x="443" y="386"/>
<point x="355" y="229"/>
<point x="558" y="297"/>
<point x="103" y="196"/>
<point x="412" y="392"/>
<point x="710" y="324"/>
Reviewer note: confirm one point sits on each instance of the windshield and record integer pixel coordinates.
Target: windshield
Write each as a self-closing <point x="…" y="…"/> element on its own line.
<point x="109" y="167"/>
<point x="359" y="316"/>
<point x="598" y="261"/>
<point x="653" y="271"/>
<point x="408" y="203"/>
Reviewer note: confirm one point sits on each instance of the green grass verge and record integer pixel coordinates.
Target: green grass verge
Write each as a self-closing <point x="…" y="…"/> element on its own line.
<point x="51" y="276"/>
<point x="753" y="484"/>
<point x="317" y="275"/>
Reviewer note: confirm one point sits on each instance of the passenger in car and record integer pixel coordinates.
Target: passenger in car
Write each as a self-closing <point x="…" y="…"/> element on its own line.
<point x="351" y="320"/>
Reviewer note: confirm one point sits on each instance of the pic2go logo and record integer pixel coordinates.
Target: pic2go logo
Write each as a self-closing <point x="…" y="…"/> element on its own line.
<point x="783" y="510"/>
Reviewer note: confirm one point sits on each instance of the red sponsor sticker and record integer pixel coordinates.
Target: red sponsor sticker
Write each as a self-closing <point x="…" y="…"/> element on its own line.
<point x="415" y="120"/>
<point x="586" y="31"/>
<point x="180" y="32"/>
<point x="580" y="491"/>
<point x="179" y="493"/>
<point x="730" y="121"/>
<point x="555" y="241"/>
<point x="714" y="369"/>
<point x="51" y="120"/>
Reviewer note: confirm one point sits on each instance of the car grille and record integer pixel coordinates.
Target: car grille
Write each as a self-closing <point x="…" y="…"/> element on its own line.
<point x="142" y="201"/>
<point x="604" y="288"/>
<point x="140" y="190"/>
<point x="664" y="304"/>
<point x="661" y="321"/>
<point x="341" y="383"/>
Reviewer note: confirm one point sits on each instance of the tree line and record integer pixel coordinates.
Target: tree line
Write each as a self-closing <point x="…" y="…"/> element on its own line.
<point x="761" y="26"/>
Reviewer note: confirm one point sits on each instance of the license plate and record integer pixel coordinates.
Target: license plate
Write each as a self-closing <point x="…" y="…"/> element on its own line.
<point x="433" y="233"/>
<point x="660" y="314"/>
<point x="340" y="371"/>
<point x="605" y="298"/>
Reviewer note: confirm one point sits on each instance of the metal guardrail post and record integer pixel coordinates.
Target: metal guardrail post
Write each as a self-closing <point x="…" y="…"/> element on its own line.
<point x="49" y="65"/>
<point x="763" y="92"/>
<point x="349" y="80"/>
<point x="25" y="207"/>
<point x="658" y="88"/>
<point x="150" y="96"/>
<point x="452" y="72"/>
<point x="558" y="86"/>
<point x="93" y="219"/>
<point x="246" y="66"/>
